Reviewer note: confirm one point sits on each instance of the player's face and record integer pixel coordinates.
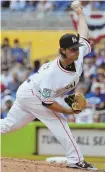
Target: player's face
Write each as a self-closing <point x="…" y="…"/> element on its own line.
<point x="72" y="53"/>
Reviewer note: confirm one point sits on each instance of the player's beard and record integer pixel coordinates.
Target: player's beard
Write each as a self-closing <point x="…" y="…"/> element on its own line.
<point x="74" y="57"/>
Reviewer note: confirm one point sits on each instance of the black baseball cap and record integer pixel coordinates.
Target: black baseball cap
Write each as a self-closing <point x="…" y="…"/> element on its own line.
<point x="69" y="41"/>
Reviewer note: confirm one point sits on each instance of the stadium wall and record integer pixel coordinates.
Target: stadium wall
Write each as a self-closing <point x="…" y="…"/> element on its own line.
<point x="35" y="138"/>
<point x="44" y="44"/>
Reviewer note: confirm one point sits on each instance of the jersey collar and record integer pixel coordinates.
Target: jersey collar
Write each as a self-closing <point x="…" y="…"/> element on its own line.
<point x="68" y="70"/>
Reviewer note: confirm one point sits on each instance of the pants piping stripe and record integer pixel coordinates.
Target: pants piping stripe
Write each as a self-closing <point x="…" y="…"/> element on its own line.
<point x="66" y="133"/>
<point x="68" y="136"/>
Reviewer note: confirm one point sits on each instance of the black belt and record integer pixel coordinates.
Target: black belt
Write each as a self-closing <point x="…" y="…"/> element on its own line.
<point x="28" y="80"/>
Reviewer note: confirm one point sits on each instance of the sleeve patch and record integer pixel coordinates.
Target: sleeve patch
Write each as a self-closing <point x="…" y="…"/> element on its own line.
<point x="46" y="92"/>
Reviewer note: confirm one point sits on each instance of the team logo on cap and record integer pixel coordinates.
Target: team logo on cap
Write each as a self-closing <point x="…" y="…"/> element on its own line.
<point x="74" y="39"/>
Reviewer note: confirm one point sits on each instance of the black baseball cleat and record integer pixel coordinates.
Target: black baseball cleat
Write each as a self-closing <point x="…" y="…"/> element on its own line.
<point x="82" y="165"/>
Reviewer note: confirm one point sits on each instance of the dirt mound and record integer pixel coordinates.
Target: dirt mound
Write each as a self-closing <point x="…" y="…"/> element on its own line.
<point x="22" y="165"/>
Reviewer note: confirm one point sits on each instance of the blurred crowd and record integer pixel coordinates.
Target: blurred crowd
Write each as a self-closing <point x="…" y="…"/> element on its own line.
<point x="92" y="85"/>
<point x="46" y="6"/>
<point x="16" y="67"/>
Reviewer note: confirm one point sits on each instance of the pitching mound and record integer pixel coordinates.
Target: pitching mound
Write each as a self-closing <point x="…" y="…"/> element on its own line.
<point x="22" y="165"/>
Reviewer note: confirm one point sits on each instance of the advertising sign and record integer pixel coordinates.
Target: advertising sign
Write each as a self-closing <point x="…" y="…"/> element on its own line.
<point x="91" y="142"/>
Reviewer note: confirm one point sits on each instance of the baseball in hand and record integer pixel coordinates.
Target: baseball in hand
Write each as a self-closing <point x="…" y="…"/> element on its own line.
<point x="76" y="6"/>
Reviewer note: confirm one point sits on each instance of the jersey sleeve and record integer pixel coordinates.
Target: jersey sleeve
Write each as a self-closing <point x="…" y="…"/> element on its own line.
<point x="86" y="48"/>
<point x="46" y="92"/>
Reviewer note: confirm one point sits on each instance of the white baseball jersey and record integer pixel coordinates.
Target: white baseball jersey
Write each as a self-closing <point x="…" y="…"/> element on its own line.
<point x="53" y="81"/>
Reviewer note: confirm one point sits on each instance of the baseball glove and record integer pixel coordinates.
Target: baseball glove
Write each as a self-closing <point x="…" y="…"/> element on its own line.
<point x="76" y="101"/>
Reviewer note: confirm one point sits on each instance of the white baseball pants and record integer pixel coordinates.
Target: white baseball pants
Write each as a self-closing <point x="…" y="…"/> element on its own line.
<point x="27" y="107"/>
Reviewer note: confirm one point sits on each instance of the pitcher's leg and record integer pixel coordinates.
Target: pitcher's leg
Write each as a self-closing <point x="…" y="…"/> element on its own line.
<point x="57" y="124"/>
<point x="61" y="131"/>
<point x="16" y="119"/>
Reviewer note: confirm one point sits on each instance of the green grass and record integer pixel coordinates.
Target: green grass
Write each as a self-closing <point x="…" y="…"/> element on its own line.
<point x="99" y="162"/>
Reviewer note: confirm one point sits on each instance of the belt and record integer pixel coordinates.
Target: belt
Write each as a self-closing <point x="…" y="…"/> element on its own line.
<point x="28" y="80"/>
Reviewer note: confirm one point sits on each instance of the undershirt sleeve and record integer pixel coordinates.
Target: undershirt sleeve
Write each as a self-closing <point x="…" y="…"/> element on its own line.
<point x="86" y="48"/>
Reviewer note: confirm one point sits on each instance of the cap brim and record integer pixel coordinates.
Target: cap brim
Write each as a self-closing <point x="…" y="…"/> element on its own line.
<point x="77" y="45"/>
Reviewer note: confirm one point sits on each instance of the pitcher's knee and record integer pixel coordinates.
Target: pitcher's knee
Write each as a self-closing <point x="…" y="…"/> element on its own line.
<point x="4" y="126"/>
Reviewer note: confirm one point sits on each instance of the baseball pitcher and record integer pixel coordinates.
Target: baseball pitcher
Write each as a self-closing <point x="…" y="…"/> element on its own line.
<point x="42" y="95"/>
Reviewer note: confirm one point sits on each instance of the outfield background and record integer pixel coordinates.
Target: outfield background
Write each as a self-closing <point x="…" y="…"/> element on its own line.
<point x="31" y="28"/>
<point x="22" y="143"/>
